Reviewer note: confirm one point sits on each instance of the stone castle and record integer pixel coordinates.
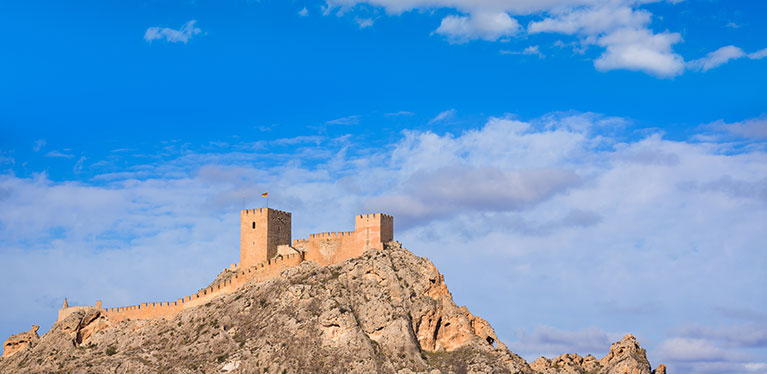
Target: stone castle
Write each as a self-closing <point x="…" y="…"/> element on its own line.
<point x="266" y="249"/>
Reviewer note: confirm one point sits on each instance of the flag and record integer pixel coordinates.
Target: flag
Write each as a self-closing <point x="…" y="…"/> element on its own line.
<point x="265" y="194"/>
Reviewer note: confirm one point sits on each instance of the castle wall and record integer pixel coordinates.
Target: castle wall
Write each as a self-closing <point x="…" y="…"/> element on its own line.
<point x="329" y="247"/>
<point x="262" y="232"/>
<point x="257" y="273"/>
<point x="371" y="231"/>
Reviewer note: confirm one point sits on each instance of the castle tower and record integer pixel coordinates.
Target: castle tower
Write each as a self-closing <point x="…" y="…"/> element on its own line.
<point x="372" y="230"/>
<point x="261" y="231"/>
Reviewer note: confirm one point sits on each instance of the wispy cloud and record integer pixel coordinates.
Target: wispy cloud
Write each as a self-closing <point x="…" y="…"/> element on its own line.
<point x="59" y="154"/>
<point x="364" y="22"/>
<point x="531" y="50"/>
<point x="38" y="145"/>
<point x="400" y="113"/>
<point x="349" y="120"/>
<point x="303" y="12"/>
<point x="443" y="116"/>
<point x="722" y="56"/>
<point x="186" y="32"/>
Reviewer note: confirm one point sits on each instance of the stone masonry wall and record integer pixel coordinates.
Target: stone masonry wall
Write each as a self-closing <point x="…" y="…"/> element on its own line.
<point x="168" y="309"/>
<point x="261" y="231"/>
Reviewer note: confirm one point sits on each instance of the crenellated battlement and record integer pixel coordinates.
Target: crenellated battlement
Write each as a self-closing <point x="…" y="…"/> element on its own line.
<point x="263" y="210"/>
<point x="265" y="252"/>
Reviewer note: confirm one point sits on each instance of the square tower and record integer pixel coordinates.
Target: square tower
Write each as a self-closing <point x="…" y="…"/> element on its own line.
<point x="261" y="231"/>
<point x="372" y="230"/>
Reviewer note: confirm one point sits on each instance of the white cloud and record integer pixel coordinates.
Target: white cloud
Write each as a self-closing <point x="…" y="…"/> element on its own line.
<point x="621" y="28"/>
<point x="400" y="113"/>
<point x="717" y="58"/>
<point x="760" y="54"/>
<point x="364" y="22"/>
<point x="443" y="116"/>
<point x="550" y="342"/>
<point x="754" y="128"/>
<point x="186" y="32"/>
<point x="640" y="50"/>
<point x="79" y="165"/>
<point x="722" y="56"/>
<point x="350" y="120"/>
<point x="39" y="144"/>
<point x="427" y="195"/>
<point x="686" y="349"/>
<point x="480" y="25"/>
<point x="303" y="12"/>
<point x="531" y="50"/>
<point x="59" y="154"/>
<point x="756" y="367"/>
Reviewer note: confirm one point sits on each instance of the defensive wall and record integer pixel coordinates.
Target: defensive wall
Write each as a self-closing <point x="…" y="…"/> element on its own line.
<point x="265" y="252"/>
<point x="371" y="231"/>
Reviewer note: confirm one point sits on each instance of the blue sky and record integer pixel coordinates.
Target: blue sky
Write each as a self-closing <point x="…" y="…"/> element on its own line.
<point x="578" y="169"/>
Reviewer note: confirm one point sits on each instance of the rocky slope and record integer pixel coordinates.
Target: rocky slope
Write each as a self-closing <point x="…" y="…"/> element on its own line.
<point x="386" y="312"/>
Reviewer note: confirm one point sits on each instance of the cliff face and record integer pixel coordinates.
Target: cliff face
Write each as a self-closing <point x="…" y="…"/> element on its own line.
<point x="386" y="311"/>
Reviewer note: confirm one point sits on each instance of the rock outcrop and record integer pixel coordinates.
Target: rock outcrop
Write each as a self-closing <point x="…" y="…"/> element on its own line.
<point x="386" y="311"/>
<point x="20" y="341"/>
<point x="625" y="357"/>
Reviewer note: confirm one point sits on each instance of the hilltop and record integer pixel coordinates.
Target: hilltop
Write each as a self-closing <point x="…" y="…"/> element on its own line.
<point x="386" y="311"/>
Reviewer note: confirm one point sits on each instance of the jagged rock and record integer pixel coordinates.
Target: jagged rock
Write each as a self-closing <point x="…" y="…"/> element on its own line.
<point x="625" y="357"/>
<point x="18" y="342"/>
<point x="387" y="311"/>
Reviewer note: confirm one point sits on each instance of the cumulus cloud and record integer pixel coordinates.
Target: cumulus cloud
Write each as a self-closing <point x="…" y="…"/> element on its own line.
<point x="621" y="28"/>
<point x="431" y="194"/>
<point x="640" y="50"/>
<point x="753" y="128"/>
<point x="709" y="350"/>
<point x="186" y="32"/>
<point x="481" y="25"/>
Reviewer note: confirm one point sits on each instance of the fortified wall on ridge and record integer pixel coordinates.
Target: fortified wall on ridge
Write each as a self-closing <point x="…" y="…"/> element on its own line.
<point x="266" y="250"/>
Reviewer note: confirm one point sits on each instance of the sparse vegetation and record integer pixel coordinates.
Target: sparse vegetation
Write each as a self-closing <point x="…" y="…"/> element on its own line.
<point x="111" y="350"/>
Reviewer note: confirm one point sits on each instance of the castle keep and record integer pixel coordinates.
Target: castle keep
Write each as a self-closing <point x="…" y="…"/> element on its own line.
<point x="266" y="250"/>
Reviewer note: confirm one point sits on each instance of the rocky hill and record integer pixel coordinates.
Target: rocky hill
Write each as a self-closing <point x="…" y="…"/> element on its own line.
<point x="384" y="312"/>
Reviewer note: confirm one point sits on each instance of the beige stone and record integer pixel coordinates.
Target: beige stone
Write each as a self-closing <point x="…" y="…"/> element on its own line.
<point x="18" y="342"/>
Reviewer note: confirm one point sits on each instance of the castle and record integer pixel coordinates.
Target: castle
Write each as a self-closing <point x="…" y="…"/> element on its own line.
<point x="266" y="250"/>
